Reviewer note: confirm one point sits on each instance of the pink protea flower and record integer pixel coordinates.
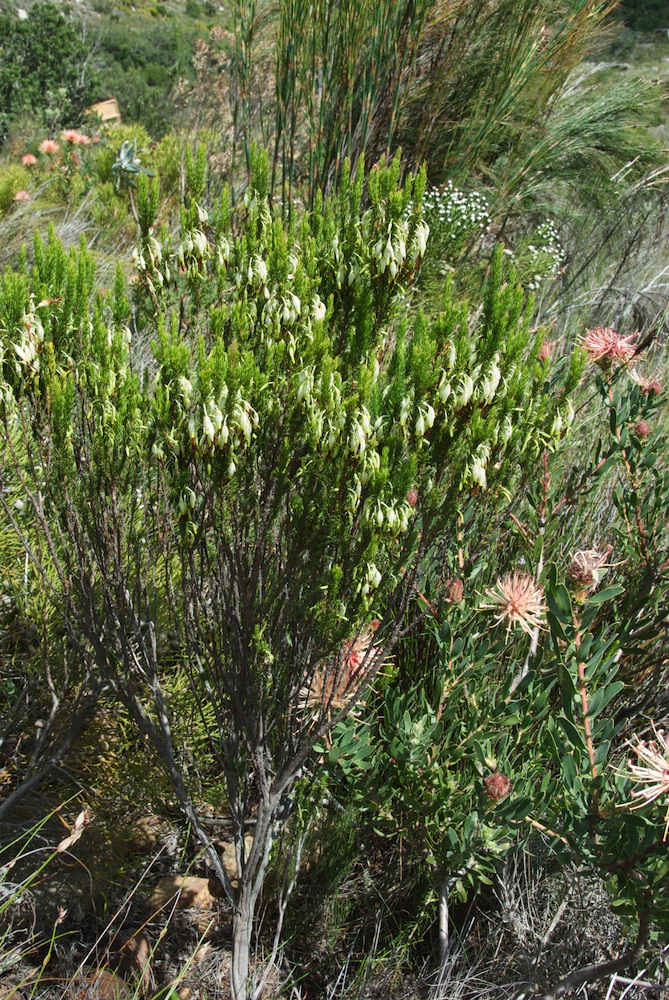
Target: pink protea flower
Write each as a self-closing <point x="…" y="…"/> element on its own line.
<point x="642" y="428"/>
<point x="518" y="600"/>
<point x="652" y="770"/>
<point x="496" y="786"/>
<point x="28" y="160"/>
<point x="603" y="346"/>
<point x="49" y="146"/>
<point x="412" y="497"/>
<point x="21" y="196"/>
<point x="647" y="383"/>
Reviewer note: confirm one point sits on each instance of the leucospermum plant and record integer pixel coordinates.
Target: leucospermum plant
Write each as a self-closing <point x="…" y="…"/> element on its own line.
<point x="524" y="711"/>
<point x="268" y="485"/>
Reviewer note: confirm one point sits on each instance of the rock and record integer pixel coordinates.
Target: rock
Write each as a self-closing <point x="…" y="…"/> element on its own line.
<point x="11" y="991"/>
<point x="227" y="851"/>
<point x="102" y="985"/>
<point x="145" y="834"/>
<point x="134" y="959"/>
<point x="185" y="891"/>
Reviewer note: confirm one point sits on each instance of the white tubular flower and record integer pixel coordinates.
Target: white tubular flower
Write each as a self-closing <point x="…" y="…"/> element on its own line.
<point x="357" y="440"/>
<point x="223" y="251"/>
<point x="373" y="576"/>
<point x="569" y="413"/>
<point x="186" y="389"/>
<point x="465" y="392"/>
<point x="420" y="426"/>
<point x="306" y="384"/>
<point x="444" y="389"/>
<point x="207" y="425"/>
<point x="223" y="434"/>
<point x="491" y="381"/>
<point x="506" y="430"/>
<point x="318" y="309"/>
<point x="200" y="243"/>
<point x="242" y="421"/>
<point x="215" y="415"/>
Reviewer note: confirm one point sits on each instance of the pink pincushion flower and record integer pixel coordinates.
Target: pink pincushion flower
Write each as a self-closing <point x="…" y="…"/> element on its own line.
<point x="603" y="346"/>
<point x="28" y="160"/>
<point x="518" y="600"/>
<point x="49" y="146"/>
<point x="77" y="138"/>
<point x="21" y="196"/>
<point x="652" y="770"/>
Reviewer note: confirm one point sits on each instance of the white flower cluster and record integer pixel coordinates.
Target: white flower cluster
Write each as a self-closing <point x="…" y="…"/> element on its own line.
<point x="546" y="256"/>
<point x="457" y="214"/>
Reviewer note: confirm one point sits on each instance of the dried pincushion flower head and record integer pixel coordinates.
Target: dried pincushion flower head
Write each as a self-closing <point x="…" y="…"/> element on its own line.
<point x="517" y="599"/>
<point x="604" y="346"/>
<point x="454" y="591"/>
<point x="546" y="350"/>
<point x="587" y="568"/>
<point x="647" y="383"/>
<point x="332" y="686"/>
<point x="652" y="770"/>
<point x="496" y="786"/>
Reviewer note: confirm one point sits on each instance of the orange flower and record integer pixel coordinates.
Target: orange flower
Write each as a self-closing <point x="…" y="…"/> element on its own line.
<point x="49" y="146"/>
<point x="28" y="160"/>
